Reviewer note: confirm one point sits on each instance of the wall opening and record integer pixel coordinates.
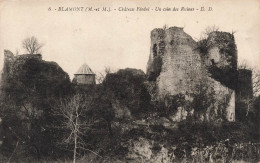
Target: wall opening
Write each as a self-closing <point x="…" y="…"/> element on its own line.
<point x="154" y="50"/>
<point x="212" y="61"/>
<point x="172" y="42"/>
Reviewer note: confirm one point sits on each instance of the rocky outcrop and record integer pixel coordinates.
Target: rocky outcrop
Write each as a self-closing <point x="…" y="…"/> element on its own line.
<point x="143" y="150"/>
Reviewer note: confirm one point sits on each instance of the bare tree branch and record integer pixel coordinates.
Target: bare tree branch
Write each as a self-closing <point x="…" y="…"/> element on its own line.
<point x="72" y="111"/>
<point x="31" y="45"/>
<point x="255" y="76"/>
<point x="90" y="151"/>
<point x="101" y="76"/>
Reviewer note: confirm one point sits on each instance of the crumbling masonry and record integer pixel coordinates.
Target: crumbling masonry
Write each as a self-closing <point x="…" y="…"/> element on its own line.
<point x="180" y="65"/>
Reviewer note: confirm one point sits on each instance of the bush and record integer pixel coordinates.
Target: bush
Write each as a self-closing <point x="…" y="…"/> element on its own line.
<point x="127" y="86"/>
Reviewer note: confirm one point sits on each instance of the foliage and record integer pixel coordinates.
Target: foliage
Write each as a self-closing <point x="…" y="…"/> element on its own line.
<point x="170" y="104"/>
<point x="249" y="117"/>
<point x="255" y="76"/>
<point x="103" y="110"/>
<point x="128" y="87"/>
<point x="33" y="121"/>
<point x="27" y="92"/>
<point x="204" y="43"/>
<point x="203" y="99"/>
<point x="223" y="41"/>
<point x="203" y="46"/>
<point x="224" y="75"/>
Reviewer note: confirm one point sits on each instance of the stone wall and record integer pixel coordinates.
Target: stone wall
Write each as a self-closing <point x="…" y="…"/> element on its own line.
<point x="222" y="50"/>
<point x="181" y="68"/>
<point x="85" y="79"/>
<point x="244" y="85"/>
<point x="11" y="61"/>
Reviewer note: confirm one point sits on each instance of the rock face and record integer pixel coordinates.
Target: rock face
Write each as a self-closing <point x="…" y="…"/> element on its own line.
<point x="180" y="65"/>
<point x="143" y="150"/>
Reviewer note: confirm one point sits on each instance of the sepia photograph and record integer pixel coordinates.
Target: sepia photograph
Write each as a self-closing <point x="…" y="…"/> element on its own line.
<point x="129" y="81"/>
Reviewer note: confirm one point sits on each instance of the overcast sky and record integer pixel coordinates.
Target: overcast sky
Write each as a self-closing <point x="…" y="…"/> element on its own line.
<point x="120" y="39"/>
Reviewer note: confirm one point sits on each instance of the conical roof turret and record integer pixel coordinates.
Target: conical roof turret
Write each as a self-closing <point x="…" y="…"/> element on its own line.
<point x="84" y="70"/>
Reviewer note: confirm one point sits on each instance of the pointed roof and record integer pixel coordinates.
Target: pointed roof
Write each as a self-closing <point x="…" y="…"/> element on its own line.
<point x="84" y="69"/>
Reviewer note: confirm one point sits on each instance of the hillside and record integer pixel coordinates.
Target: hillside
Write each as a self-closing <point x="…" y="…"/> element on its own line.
<point x="183" y="110"/>
<point x="29" y="87"/>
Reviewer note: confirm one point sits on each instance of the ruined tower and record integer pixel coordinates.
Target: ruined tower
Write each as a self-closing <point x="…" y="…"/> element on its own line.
<point x="84" y="76"/>
<point x="173" y="63"/>
<point x="244" y="91"/>
<point x="179" y="65"/>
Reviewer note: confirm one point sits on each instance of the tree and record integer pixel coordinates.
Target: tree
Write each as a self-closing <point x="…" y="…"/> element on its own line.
<point x="255" y="84"/>
<point x="210" y="29"/>
<point x="104" y="110"/>
<point x="127" y="86"/>
<point x="204" y="99"/>
<point x="75" y="122"/>
<point x="28" y="90"/>
<point x="204" y="44"/>
<point x="165" y="27"/>
<point x="101" y="76"/>
<point x="17" y="52"/>
<point x="255" y="77"/>
<point x="31" y="45"/>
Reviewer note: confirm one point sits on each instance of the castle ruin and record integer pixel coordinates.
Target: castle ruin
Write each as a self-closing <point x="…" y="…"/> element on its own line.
<point x="179" y="65"/>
